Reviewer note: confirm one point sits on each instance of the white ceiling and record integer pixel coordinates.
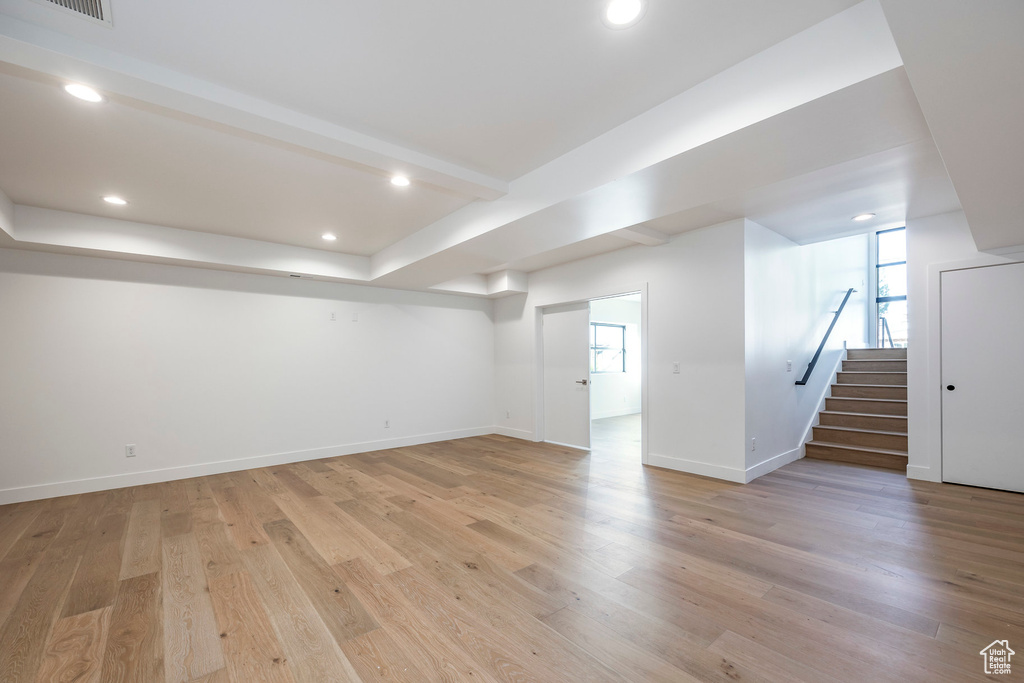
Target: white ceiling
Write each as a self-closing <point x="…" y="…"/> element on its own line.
<point x="966" y="61"/>
<point x="534" y="135"/>
<point x="502" y="87"/>
<point x="62" y="153"/>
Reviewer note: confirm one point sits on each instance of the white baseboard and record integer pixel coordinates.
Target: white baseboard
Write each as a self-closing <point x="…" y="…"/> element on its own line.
<point x="922" y="473"/>
<point x="568" y="445"/>
<point x="733" y="474"/>
<point x="116" y="481"/>
<point x="704" y="469"/>
<point x="826" y="392"/>
<point x="514" y="433"/>
<point x="772" y="464"/>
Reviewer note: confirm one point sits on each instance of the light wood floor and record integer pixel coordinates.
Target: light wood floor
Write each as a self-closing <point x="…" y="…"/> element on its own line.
<point x="619" y="437"/>
<point x="492" y="559"/>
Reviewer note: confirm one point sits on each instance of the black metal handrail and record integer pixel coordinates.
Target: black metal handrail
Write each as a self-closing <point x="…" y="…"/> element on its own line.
<point x="886" y="330"/>
<point x="814" y="361"/>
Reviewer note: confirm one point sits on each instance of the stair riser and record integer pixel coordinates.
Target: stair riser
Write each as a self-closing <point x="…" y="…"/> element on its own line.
<point x="875" y="365"/>
<point x="877" y="422"/>
<point x="852" y="405"/>
<point x="839" y="454"/>
<point x="876" y="354"/>
<point x="887" y="378"/>
<point x="890" y="442"/>
<point x="854" y="391"/>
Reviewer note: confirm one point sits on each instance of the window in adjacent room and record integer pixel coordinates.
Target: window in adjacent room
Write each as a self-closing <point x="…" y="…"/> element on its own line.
<point x="607" y="347"/>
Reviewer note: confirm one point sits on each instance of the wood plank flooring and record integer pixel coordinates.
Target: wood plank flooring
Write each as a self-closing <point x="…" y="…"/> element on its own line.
<point x="493" y="559"/>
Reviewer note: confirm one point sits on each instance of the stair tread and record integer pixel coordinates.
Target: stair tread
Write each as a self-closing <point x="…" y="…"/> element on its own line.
<point x="873" y="372"/>
<point x="857" y="398"/>
<point x="864" y="449"/>
<point x="873" y="386"/>
<point x="843" y="412"/>
<point x="861" y="429"/>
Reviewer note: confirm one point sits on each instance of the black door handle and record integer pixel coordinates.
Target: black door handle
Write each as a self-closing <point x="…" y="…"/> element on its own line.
<point x="950" y="387"/>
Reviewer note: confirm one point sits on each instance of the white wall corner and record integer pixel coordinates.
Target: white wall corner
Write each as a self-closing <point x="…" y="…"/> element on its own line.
<point x="6" y="214"/>
<point x="507" y="283"/>
<point x="773" y="464"/>
<point x="922" y="473"/>
<point x="524" y="434"/>
<point x="704" y="469"/>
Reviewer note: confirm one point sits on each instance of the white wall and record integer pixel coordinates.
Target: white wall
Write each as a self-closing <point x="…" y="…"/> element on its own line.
<point x="209" y="371"/>
<point x="791" y="292"/>
<point x="934" y="244"/>
<point x="618" y="393"/>
<point x="731" y="303"/>
<point x="695" y="316"/>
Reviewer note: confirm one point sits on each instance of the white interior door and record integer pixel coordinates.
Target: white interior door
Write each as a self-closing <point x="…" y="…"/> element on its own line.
<point x="567" y="375"/>
<point x="983" y="377"/>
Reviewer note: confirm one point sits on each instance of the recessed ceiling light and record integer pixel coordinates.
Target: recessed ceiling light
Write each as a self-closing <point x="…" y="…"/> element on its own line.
<point x="83" y="92"/>
<point x="623" y="13"/>
<point x="328" y="237"/>
<point x="863" y="217"/>
<point x="111" y="199"/>
<point x="400" y="181"/>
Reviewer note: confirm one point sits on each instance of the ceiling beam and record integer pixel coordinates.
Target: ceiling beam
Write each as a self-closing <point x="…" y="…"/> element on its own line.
<point x="50" y="228"/>
<point x="965" y="62"/>
<point x="642" y="234"/>
<point x="846" y="49"/>
<point x="64" y="57"/>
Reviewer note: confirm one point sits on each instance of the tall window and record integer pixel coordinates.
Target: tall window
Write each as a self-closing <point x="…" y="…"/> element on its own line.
<point x="607" y="347"/>
<point x="891" y="299"/>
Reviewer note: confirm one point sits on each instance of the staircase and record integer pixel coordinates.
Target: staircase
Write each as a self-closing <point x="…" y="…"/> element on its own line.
<point x="865" y="418"/>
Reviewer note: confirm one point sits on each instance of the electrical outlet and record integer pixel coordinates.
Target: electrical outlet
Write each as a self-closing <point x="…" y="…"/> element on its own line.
<point x="355" y="317"/>
<point x="675" y="368"/>
<point x="508" y="414"/>
<point x="334" y="316"/>
<point x="753" y="444"/>
<point x="129" y="451"/>
<point x="789" y="366"/>
<point x="387" y="424"/>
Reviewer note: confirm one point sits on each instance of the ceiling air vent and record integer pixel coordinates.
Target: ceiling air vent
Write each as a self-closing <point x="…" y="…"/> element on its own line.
<point x="93" y="10"/>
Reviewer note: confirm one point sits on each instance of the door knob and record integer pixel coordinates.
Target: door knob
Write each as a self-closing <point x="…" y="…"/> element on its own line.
<point x="581" y="381"/>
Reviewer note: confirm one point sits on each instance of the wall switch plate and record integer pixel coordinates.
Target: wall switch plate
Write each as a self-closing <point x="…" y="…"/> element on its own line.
<point x="355" y="317"/>
<point x="789" y="366"/>
<point x="753" y="444"/>
<point x="387" y="424"/>
<point x="508" y="414"/>
<point x="129" y="451"/>
<point x="675" y="368"/>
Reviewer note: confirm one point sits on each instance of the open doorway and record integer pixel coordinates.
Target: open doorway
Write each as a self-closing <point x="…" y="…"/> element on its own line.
<point x="616" y="377"/>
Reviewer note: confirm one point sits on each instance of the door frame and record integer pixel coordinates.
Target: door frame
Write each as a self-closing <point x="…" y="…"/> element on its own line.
<point x="924" y="362"/>
<point x="937" y="388"/>
<point x="538" y="344"/>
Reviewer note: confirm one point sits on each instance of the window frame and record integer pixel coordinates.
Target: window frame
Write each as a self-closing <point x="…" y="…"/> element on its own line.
<point x="594" y="348"/>
<point x="880" y="300"/>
